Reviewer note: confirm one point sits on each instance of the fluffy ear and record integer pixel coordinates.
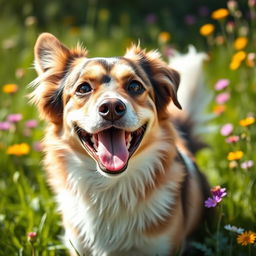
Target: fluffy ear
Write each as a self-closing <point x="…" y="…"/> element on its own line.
<point x="164" y="79"/>
<point x="49" y="52"/>
<point x="52" y="61"/>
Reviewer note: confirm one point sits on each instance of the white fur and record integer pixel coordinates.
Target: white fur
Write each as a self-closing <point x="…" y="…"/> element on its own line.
<point x="111" y="220"/>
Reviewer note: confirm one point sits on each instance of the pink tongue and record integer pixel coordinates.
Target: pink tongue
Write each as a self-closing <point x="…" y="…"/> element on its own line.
<point x="112" y="150"/>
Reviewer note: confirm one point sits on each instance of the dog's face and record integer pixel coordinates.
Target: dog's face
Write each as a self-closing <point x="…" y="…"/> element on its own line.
<point x="107" y="107"/>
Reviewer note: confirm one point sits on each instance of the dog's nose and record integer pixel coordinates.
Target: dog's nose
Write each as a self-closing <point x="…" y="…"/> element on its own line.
<point x="112" y="109"/>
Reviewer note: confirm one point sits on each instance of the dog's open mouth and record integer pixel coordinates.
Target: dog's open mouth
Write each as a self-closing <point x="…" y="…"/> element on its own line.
<point x="112" y="147"/>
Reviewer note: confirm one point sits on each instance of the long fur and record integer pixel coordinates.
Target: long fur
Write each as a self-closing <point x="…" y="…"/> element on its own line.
<point x="151" y="207"/>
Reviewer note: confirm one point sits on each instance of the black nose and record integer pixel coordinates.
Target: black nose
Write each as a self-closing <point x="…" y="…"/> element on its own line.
<point x="112" y="109"/>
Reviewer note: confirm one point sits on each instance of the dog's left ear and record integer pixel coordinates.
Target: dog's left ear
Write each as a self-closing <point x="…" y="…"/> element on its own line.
<point x="164" y="79"/>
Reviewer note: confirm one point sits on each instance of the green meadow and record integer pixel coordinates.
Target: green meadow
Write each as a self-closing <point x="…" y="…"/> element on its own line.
<point x="227" y="35"/>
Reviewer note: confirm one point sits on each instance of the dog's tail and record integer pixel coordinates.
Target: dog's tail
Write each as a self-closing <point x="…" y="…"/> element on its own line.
<point x="193" y="96"/>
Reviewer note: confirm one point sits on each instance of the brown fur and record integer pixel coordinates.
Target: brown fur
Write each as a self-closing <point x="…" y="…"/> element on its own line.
<point x="61" y="70"/>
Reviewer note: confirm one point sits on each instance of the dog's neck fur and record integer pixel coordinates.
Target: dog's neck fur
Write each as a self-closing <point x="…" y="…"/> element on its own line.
<point x="115" y="209"/>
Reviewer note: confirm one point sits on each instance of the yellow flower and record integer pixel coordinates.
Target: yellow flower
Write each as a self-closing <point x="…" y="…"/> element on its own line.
<point x="10" y="88"/>
<point x="18" y="149"/>
<point x="206" y="29"/>
<point x="246" y="238"/>
<point x="240" y="43"/>
<point x="164" y="37"/>
<point x="247" y="121"/>
<point x="235" y="155"/>
<point x="219" y="14"/>
<point x="237" y="59"/>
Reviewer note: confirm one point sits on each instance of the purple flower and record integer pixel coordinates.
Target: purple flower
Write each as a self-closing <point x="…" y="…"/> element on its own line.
<point x="247" y="164"/>
<point x="226" y="129"/>
<point x="31" y="123"/>
<point x="222" y="97"/>
<point x="210" y="202"/>
<point x="217" y="194"/>
<point x="5" y="126"/>
<point x="14" y="118"/>
<point x="221" y="84"/>
<point x="190" y="19"/>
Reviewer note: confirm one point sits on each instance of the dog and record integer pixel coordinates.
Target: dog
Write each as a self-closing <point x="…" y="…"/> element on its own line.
<point x="124" y="179"/>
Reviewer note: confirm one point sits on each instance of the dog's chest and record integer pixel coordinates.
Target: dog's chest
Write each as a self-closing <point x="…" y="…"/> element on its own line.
<point x="115" y="228"/>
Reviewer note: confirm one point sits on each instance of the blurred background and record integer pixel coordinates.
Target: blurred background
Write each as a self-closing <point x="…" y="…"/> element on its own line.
<point x="29" y="222"/>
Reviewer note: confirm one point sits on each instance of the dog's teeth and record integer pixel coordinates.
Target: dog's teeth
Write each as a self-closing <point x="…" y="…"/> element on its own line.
<point x="128" y="140"/>
<point x="94" y="141"/>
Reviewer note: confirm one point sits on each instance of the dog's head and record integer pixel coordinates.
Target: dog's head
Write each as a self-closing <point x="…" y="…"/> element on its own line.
<point x="108" y="107"/>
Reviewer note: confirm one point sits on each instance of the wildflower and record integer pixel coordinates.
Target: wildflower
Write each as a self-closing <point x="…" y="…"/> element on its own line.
<point x="235" y="155"/>
<point x="232" y="139"/>
<point x="219" y="109"/>
<point x="18" y="149"/>
<point x="232" y="5"/>
<point x="32" y="237"/>
<point x="232" y="164"/>
<point x="240" y="43"/>
<point x="246" y="238"/>
<point x="210" y="202"/>
<point x="230" y="27"/>
<point x="251" y="3"/>
<point x="5" y="126"/>
<point x="30" y="21"/>
<point x="37" y="146"/>
<point x="206" y="29"/>
<point x="31" y="123"/>
<point x="247" y="121"/>
<point x="220" y="14"/>
<point x="164" y="37"/>
<point x="247" y="164"/>
<point x="14" y="118"/>
<point x="237" y="59"/>
<point x="221" y="84"/>
<point x="19" y="72"/>
<point x="226" y="129"/>
<point x="222" y="97"/>
<point x="250" y="60"/>
<point x="217" y="194"/>
<point x="234" y="229"/>
<point x="10" y="88"/>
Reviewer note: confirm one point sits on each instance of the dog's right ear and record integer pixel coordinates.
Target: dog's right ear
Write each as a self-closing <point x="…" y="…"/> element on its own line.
<point x="52" y="61"/>
<point x="49" y="53"/>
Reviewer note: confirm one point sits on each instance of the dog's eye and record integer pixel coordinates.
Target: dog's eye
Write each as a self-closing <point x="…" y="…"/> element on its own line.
<point x="135" y="88"/>
<point x="83" y="88"/>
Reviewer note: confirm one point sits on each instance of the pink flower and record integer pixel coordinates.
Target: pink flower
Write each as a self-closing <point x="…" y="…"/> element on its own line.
<point x="247" y="164"/>
<point x="232" y="139"/>
<point x="221" y="84"/>
<point x="5" y="126"/>
<point x="226" y="129"/>
<point x="222" y="97"/>
<point x="31" y="123"/>
<point x="37" y="146"/>
<point x="14" y="118"/>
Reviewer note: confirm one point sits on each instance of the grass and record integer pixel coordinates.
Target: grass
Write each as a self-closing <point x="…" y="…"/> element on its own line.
<point x="26" y="203"/>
